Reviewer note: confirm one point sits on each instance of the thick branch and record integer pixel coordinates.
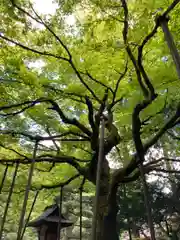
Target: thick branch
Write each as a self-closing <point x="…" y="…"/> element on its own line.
<point x="68" y="120"/>
<point x="90" y="114"/>
<point x="166" y="170"/>
<point x="40" y="138"/>
<point x="50" y="159"/>
<point x="147" y="39"/>
<point x="137" y="174"/>
<point x="128" y="49"/>
<point x="121" y="173"/>
<point x="170" y="8"/>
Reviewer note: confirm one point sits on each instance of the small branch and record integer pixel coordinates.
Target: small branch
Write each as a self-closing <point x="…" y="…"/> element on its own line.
<point x="173" y="136"/>
<point x="83" y="82"/>
<point x="53" y="140"/>
<point x="118" y="82"/>
<point x="166" y="170"/>
<point x="168" y="125"/>
<point x="70" y="95"/>
<point x="55" y="107"/>
<point x="69" y="60"/>
<point x="29" y="103"/>
<point x="116" y="102"/>
<point x="50" y="156"/>
<point x="97" y="81"/>
<point x="62" y="184"/>
<point x="11" y="149"/>
<point x="33" y="50"/>
<point x="52" y="32"/>
<point x="67" y="120"/>
<point x="155" y="162"/>
<point x="83" y="149"/>
<point x="157" y="113"/>
<point x="40" y="21"/>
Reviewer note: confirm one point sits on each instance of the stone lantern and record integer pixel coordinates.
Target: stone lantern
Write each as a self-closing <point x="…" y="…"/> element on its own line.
<point x="47" y="223"/>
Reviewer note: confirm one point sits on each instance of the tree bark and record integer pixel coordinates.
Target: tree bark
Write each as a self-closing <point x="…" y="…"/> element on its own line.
<point x="102" y="209"/>
<point x="110" y="222"/>
<point x="106" y="228"/>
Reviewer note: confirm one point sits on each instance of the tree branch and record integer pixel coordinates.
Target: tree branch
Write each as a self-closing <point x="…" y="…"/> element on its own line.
<point x="155" y="162"/>
<point x="33" y="50"/>
<point x="57" y="185"/>
<point x="147" y="39"/>
<point x="170" y="8"/>
<point x="55" y="107"/>
<point x="128" y="49"/>
<point x="41" y="138"/>
<point x="173" y="136"/>
<point x="44" y="24"/>
<point x="50" y="159"/>
<point x="69" y="60"/>
<point x="97" y="81"/>
<point x="12" y="150"/>
<point x="90" y="114"/>
<point x="132" y="165"/>
<point x="118" y="82"/>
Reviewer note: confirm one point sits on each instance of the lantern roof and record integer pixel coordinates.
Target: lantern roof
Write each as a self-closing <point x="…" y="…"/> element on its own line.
<point x="50" y="215"/>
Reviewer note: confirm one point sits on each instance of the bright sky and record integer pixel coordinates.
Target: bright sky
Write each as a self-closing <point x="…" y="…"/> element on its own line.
<point x="49" y="7"/>
<point x="45" y="6"/>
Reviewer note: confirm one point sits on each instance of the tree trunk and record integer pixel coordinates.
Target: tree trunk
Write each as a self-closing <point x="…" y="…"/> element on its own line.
<point x="110" y="222"/>
<point x="106" y="228"/>
<point x="102" y="208"/>
<point x="135" y="230"/>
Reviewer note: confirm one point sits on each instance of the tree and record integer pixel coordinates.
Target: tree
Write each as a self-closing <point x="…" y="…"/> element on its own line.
<point x="58" y="79"/>
<point x="132" y="215"/>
